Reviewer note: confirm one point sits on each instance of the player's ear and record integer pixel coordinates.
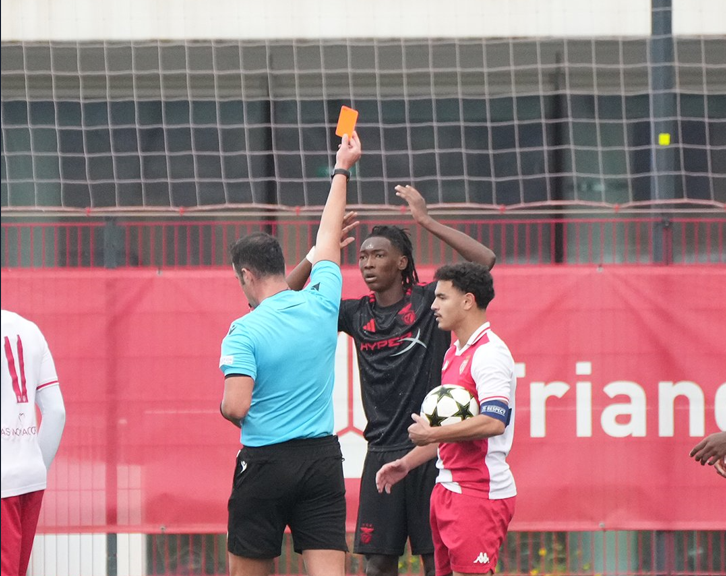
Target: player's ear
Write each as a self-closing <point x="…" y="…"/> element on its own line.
<point x="469" y="301"/>
<point x="246" y="275"/>
<point x="402" y="262"/>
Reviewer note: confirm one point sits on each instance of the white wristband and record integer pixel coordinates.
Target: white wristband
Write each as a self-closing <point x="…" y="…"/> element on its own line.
<point x="310" y="255"/>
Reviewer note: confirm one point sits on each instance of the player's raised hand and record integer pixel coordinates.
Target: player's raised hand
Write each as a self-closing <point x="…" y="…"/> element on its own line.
<point x="349" y="223"/>
<point x="415" y="201"/>
<point x="420" y="432"/>
<point x="349" y="151"/>
<point x="390" y="474"/>
<point x="710" y="449"/>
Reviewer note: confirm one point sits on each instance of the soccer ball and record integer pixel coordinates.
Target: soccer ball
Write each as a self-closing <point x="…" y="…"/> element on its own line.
<point x="449" y="404"/>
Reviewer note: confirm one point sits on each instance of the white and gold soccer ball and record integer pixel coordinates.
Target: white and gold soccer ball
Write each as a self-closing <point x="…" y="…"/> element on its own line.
<point x="449" y="404"/>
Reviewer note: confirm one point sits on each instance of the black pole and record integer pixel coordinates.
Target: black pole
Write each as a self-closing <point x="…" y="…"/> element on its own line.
<point x="663" y="113"/>
<point x="557" y="180"/>
<point x="270" y="185"/>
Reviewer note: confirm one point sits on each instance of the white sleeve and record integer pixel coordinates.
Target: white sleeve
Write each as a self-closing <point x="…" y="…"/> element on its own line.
<point x="492" y="373"/>
<point x="48" y="374"/>
<point x="50" y="401"/>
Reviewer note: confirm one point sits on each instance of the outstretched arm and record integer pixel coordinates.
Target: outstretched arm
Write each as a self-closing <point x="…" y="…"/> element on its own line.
<point x="327" y="244"/>
<point x="395" y="471"/>
<point x="476" y="428"/>
<point x="300" y="274"/>
<point x="465" y="245"/>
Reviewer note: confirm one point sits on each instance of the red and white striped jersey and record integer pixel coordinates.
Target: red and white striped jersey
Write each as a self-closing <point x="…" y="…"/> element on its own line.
<point x="479" y="467"/>
<point x="27" y="366"/>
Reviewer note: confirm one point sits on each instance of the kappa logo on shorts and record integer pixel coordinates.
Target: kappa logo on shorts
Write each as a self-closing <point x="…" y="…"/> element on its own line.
<point x="481" y="559"/>
<point x="366" y="533"/>
<point x="242" y="466"/>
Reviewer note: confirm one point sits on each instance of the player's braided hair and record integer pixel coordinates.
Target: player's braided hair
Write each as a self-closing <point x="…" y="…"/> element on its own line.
<point x="398" y="237"/>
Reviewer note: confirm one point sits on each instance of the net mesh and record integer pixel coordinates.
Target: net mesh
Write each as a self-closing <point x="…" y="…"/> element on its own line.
<point x="488" y="124"/>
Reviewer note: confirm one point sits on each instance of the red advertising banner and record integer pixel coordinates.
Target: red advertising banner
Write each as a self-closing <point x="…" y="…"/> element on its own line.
<point x="621" y="372"/>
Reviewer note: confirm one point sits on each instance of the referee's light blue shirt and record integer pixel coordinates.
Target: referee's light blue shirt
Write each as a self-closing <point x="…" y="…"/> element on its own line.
<point x="287" y="346"/>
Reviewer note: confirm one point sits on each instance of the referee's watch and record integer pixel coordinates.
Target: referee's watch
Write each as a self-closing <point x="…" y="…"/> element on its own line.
<point x="342" y="171"/>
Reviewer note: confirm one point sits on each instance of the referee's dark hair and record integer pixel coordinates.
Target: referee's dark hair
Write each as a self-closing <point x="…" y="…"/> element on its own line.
<point x="399" y="239"/>
<point x="471" y="278"/>
<point x="260" y="253"/>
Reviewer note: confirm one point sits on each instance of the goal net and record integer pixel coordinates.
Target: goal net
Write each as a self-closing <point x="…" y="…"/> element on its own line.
<point x="538" y="121"/>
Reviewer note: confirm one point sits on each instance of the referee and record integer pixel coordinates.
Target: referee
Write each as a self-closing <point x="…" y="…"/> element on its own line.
<point x="278" y="363"/>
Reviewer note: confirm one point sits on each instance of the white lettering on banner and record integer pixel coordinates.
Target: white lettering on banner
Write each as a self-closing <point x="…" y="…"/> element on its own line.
<point x="538" y="394"/>
<point x="667" y="394"/>
<point x="635" y="409"/>
<point x="584" y="409"/>
<point x="720" y="402"/>
<point x="626" y="419"/>
<point x="584" y="400"/>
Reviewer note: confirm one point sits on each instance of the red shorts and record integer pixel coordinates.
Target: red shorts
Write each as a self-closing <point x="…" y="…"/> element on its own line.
<point x="468" y="531"/>
<point x="19" y="520"/>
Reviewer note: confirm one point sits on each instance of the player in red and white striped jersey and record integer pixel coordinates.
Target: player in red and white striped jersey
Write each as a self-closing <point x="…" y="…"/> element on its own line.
<point x="473" y="502"/>
<point x="28" y="378"/>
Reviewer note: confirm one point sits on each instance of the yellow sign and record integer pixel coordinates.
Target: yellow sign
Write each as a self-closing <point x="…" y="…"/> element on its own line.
<point x="664" y="139"/>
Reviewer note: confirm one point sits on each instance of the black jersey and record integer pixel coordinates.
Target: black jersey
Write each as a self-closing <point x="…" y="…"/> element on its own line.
<point x="400" y="352"/>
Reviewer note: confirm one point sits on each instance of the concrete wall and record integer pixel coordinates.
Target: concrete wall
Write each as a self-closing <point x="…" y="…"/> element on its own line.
<point x="252" y="19"/>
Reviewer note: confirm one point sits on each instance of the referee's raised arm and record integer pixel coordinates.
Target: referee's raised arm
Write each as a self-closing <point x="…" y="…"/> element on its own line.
<point x="327" y="245"/>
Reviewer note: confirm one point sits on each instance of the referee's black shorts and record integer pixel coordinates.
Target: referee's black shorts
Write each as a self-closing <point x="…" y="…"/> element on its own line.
<point x="297" y="484"/>
<point x="386" y="521"/>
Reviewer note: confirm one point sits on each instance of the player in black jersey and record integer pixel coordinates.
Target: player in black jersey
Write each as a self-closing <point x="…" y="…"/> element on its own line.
<point x="400" y="352"/>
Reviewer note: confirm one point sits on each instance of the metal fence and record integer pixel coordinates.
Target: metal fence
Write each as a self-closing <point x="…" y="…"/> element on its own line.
<point x="606" y="553"/>
<point x="179" y="243"/>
